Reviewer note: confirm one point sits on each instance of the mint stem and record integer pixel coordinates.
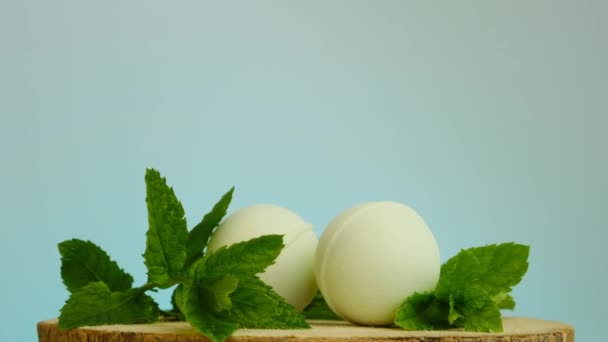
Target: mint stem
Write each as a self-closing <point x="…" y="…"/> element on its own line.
<point x="146" y="287"/>
<point x="151" y="285"/>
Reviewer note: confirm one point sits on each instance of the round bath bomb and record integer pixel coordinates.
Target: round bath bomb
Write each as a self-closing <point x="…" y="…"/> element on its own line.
<point x="292" y="275"/>
<point x="371" y="257"/>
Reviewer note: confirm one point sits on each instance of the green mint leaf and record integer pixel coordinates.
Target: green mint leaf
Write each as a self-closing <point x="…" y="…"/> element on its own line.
<point x="502" y="266"/>
<point x="221" y="291"/>
<point x="473" y="286"/>
<point x="204" y="302"/>
<point x="165" y="253"/>
<point x="253" y="302"/>
<point x="454" y="315"/>
<point x="200" y="234"/>
<point x="225" y="293"/>
<point x="96" y="304"/>
<point x="83" y="262"/>
<point x="504" y="301"/>
<point x="256" y="305"/>
<point x="244" y="258"/>
<point x="318" y="309"/>
<point x="457" y="273"/>
<point x="177" y="298"/>
<point x="287" y="317"/>
<point x="493" y="268"/>
<point x="422" y="311"/>
<point x="195" y="306"/>
<point x="477" y="311"/>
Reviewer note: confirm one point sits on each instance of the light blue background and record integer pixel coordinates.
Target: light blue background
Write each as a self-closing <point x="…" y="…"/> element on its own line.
<point x="489" y="118"/>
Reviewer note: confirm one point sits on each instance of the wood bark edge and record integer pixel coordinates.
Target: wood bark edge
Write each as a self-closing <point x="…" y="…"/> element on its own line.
<point x="49" y="332"/>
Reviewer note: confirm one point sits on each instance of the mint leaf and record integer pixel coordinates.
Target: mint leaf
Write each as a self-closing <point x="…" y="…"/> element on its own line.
<point x="422" y="311"/>
<point x="318" y="309"/>
<point x="96" y="304"/>
<point x="256" y="305"/>
<point x="199" y="235"/>
<point x="502" y="266"/>
<point x="454" y="315"/>
<point x="457" y="273"/>
<point x="196" y="308"/>
<point x="493" y="268"/>
<point x="221" y="291"/>
<point x="287" y="317"/>
<point x="226" y="294"/>
<point x="83" y="262"/>
<point x="472" y="310"/>
<point x="177" y="298"/>
<point x="477" y="311"/>
<point x="243" y="258"/>
<point x="504" y="301"/>
<point x="167" y="233"/>
<point x="253" y="302"/>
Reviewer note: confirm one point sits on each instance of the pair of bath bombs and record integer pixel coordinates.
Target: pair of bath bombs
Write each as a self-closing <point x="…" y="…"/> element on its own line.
<point x="368" y="260"/>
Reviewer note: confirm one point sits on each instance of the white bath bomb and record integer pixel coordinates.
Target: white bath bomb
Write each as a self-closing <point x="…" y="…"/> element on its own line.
<point x="371" y="257"/>
<point x="292" y="275"/>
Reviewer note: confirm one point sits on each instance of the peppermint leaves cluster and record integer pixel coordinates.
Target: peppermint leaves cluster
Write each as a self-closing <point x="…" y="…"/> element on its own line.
<point x="220" y="292"/>
<point x="216" y="293"/>
<point x="473" y="287"/>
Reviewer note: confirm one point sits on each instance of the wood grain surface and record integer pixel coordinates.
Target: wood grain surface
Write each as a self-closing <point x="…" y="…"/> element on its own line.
<point x="517" y="329"/>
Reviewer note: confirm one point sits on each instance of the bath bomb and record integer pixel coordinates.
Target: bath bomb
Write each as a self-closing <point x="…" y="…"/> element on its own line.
<point x="292" y="275"/>
<point x="373" y="256"/>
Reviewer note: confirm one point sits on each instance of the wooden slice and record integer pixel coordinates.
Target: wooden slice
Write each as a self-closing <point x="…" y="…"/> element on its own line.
<point x="516" y="330"/>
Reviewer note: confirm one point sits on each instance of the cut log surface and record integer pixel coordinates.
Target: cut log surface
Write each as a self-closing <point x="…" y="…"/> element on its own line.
<point x="516" y="330"/>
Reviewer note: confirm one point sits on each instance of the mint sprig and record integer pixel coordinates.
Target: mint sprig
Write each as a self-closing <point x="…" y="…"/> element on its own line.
<point x="216" y="292"/>
<point x="226" y="294"/>
<point x="473" y="287"/>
